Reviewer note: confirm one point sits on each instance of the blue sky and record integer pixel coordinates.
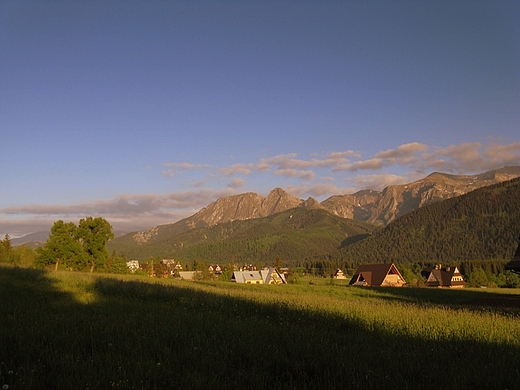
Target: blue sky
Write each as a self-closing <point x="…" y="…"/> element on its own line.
<point x="143" y="112"/>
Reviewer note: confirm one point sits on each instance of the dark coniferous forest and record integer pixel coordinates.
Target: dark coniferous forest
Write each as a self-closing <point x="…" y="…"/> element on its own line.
<point x="481" y="227"/>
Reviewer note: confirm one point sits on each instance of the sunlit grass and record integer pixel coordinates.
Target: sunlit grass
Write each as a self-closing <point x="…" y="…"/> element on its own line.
<point x="74" y="330"/>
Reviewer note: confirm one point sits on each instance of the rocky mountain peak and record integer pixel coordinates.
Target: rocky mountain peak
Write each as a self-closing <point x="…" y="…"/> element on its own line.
<point x="279" y="200"/>
<point x="353" y="206"/>
<point x="398" y="200"/>
<point x="366" y="205"/>
<point x="312" y="203"/>
<point x="249" y="205"/>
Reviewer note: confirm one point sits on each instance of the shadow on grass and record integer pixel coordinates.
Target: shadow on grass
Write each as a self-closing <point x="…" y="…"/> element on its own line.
<point x="138" y="335"/>
<point x="475" y="300"/>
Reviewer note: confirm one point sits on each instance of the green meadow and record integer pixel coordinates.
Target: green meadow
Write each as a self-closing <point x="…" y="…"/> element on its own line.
<point x="70" y="330"/>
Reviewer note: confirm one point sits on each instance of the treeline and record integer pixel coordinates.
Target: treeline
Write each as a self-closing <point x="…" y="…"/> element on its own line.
<point x="477" y="273"/>
<point x="20" y="255"/>
<point x="70" y="246"/>
<point x="77" y="247"/>
<point x="292" y="235"/>
<point x="291" y="246"/>
<point x="476" y="230"/>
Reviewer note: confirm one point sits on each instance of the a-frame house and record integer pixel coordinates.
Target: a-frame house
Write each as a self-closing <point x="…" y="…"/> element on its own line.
<point x="264" y="276"/>
<point x="272" y="276"/>
<point x="383" y="275"/>
<point x="447" y="277"/>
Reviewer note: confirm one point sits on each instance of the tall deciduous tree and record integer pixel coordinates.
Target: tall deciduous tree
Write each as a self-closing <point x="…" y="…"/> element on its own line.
<point x="62" y="246"/>
<point x="24" y="256"/>
<point x="93" y="234"/>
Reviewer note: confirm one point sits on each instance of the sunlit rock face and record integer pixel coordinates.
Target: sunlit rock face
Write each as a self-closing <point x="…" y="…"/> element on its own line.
<point x="366" y="205"/>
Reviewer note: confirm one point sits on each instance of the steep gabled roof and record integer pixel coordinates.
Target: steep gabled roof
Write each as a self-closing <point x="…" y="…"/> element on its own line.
<point x="264" y="276"/>
<point x="245" y="276"/>
<point x="272" y="274"/>
<point x="443" y="277"/>
<point x="374" y="274"/>
<point x="187" y="275"/>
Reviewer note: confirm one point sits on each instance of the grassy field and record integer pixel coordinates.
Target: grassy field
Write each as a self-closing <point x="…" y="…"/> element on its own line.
<point x="83" y="331"/>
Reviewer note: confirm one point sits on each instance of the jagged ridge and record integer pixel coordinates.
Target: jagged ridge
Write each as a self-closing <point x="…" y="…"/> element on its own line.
<point x="366" y="205"/>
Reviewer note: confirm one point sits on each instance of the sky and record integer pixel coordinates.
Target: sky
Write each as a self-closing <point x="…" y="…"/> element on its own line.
<point x="144" y="112"/>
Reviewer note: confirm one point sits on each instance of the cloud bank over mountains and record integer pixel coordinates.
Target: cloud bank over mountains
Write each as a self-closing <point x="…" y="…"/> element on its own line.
<point x="320" y="176"/>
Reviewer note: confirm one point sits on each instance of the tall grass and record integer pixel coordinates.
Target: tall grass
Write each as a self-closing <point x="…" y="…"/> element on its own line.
<point x="77" y="331"/>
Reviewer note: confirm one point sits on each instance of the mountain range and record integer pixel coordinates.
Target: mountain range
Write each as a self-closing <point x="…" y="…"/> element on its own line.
<point x="366" y="205"/>
<point x="477" y="229"/>
<point x="233" y="217"/>
<point x="283" y="225"/>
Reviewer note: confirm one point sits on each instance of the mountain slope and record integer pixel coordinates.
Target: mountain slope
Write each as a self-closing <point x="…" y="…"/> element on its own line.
<point x="230" y="208"/>
<point x="292" y="235"/>
<point x="32" y="240"/>
<point x="395" y="201"/>
<point x="481" y="225"/>
<point x="353" y="206"/>
<point x="367" y="205"/>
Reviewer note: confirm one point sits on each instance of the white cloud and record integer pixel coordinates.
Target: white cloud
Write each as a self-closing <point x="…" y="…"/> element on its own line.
<point x="344" y="155"/>
<point x="378" y="182"/>
<point x="313" y="176"/>
<point x="371" y="164"/>
<point x="174" y="168"/>
<point x="302" y="174"/>
<point x="131" y="212"/>
<point x="324" y="190"/>
<point x="237" y="168"/>
<point x="402" y="152"/>
<point x="473" y="157"/>
<point x="405" y="155"/>
<point x="236" y="183"/>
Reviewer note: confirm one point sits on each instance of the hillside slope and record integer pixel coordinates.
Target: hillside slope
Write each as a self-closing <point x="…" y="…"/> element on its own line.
<point x="366" y="205"/>
<point x="230" y="208"/>
<point x="481" y="225"/>
<point x="395" y="201"/>
<point x="291" y="235"/>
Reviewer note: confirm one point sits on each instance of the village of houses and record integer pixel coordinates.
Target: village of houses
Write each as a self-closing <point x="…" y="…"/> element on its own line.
<point x="369" y="275"/>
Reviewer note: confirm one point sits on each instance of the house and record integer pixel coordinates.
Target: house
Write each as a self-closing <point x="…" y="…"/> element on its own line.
<point x="172" y="266"/>
<point x="384" y="275"/>
<point x="248" y="277"/>
<point x="215" y="269"/>
<point x="514" y="264"/>
<point x="338" y="274"/>
<point x="189" y="275"/>
<point x="272" y="276"/>
<point x="264" y="276"/>
<point x="447" y="277"/>
<point x="133" y="265"/>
